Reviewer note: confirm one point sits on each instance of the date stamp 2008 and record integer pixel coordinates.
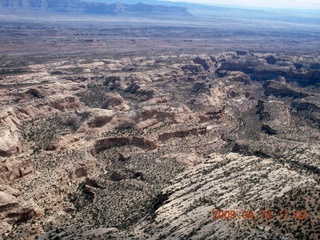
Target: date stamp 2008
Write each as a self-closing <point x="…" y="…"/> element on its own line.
<point x="262" y="214"/>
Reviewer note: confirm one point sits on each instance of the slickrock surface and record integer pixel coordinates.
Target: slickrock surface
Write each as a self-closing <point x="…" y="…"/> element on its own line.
<point x="239" y="183"/>
<point x="147" y="147"/>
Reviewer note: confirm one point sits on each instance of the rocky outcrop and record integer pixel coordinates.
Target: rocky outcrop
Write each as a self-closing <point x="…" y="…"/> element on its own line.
<point x="78" y="172"/>
<point x="244" y="64"/>
<point x="13" y="209"/>
<point x="9" y="134"/>
<point x="203" y="61"/>
<point x="214" y="98"/>
<point x="271" y="59"/>
<point x="99" y="117"/>
<point x="236" y="76"/>
<point x="274" y="115"/>
<point x="307" y="77"/>
<point x="37" y="93"/>
<point x="9" y="142"/>
<point x="261" y="68"/>
<point x="64" y="102"/>
<point x="115" y="102"/>
<point x="133" y="88"/>
<point x="11" y="170"/>
<point x="139" y="77"/>
<point x="307" y="103"/>
<point x="163" y="114"/>
<point x="107" y="143"/>
<point x="206" y="187"/>
<point x="9" y="118"/>
<point x="280" y="89"/>
<point x="198" y="86"/>
<point x="141" y="90"/>
<point x="7" y="201"/>
<point x="115" y="82"/>
<point x="308" y="107"/>
<point x="192" y="68"/>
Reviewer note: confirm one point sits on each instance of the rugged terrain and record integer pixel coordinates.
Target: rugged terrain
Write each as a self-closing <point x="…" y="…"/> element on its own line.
<point x="146" y="147"/>
<point x="115" y="127"/>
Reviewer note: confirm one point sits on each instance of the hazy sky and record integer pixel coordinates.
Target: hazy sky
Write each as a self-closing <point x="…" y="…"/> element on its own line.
<point x="311" y="4"/>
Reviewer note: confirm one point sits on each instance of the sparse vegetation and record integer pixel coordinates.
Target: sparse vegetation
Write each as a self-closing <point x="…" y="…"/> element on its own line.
<point x="212" y="130"/>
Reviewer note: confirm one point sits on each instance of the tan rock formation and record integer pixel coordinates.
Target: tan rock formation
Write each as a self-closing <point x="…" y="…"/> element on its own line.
<point x="64" y="102"/>
<point x="12" y="209"/>
<point x="11" y="169"/>
<point x="9" y="142"/>
<point x="115" y="102"/>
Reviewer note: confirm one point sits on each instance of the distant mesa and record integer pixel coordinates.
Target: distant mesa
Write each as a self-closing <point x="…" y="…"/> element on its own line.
<point x="92" y="8"/>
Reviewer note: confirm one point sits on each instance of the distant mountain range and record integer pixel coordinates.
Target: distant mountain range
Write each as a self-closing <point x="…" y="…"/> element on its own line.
<point x="92" y="8"/>
<point x="152" y="9"/>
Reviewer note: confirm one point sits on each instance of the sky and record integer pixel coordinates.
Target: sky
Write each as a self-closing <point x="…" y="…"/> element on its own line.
<point x="305" y="4"/>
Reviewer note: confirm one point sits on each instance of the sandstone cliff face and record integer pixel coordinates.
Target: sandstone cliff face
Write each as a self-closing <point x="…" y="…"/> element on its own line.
<point x="9" y="142"/>
<point x="9" y="134"/>
<point x="13" y="208"/>
<point x="115" y="102"/>
<point x="11" y="170"/>
<point x="64" y="102"/>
